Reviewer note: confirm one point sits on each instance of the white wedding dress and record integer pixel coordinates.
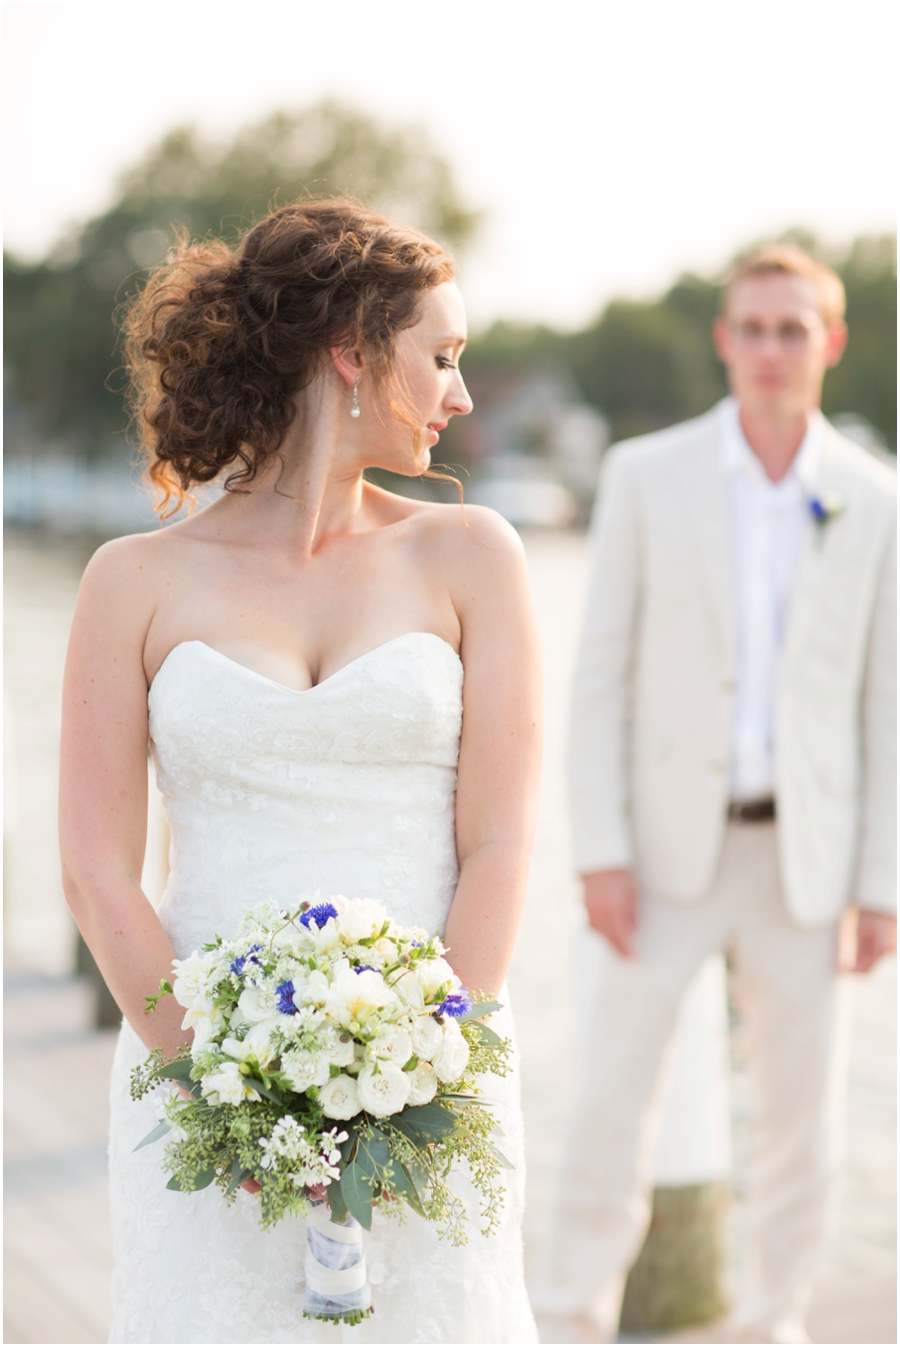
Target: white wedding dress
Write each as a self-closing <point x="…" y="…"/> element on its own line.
<point x="346" y="788"/>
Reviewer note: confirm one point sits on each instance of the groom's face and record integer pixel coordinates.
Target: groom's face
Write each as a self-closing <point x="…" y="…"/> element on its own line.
<point x="776" y="345"/>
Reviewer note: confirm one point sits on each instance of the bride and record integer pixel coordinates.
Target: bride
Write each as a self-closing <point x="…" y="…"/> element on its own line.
<point x="340" y="688"/>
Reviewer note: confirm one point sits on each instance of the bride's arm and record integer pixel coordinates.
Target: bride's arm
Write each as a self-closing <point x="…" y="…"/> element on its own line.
<point x="103" y="790"/>
<point x="500" y="752"/>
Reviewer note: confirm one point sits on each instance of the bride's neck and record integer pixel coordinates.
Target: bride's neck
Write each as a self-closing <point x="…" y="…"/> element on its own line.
<point x="312" y="488"/>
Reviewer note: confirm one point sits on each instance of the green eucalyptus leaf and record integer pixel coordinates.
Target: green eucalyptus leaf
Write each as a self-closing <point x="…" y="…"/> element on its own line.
<point x="479" y="1009"/>
<point x="158" y="1131"/>
<point x="374" y="1154"/>
<point x="336" y="1202"/>
<point x="487" y="1036"/>
<point x="179" y="1070"/>
<point x="203" y="1179"/>
<point x="404" y="1186"/>
<point x="265" y="1090"/>
<point x="237" y="1178"/>
<point x="428" y="1122"/>
<point x="357" y="1192"/>
<point x="496" y="1151"/>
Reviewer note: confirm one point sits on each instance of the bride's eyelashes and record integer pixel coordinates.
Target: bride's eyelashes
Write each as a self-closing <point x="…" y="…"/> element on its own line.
<point x="443" y="362"/>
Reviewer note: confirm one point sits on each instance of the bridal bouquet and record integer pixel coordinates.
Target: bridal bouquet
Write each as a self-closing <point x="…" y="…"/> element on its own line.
<point x="336" y="1055"/>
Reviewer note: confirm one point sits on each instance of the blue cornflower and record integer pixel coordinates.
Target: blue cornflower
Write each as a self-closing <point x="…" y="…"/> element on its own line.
<point x="320" y="914"/>
<point x="284" y="998"/>
<point x="456" y="1004"/>
<point x="365" y="968"/>
<point x="237" y="965"/>
<point x="825" y="508"/>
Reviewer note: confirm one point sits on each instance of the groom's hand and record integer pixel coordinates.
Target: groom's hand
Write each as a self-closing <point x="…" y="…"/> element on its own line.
<point x="611" y="901"/>
<point x="876" y="935"/>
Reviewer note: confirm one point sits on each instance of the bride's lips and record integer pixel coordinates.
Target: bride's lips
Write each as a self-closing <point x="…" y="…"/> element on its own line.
<point x="436" y="427"/>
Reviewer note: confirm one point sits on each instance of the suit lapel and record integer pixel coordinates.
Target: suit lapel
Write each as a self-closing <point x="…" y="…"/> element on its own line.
<point x="706" y="510"/>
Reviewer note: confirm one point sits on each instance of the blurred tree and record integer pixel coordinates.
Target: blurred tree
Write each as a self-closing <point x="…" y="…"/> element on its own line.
<point x="649" y="364"/>
<point x="61" y="340"/>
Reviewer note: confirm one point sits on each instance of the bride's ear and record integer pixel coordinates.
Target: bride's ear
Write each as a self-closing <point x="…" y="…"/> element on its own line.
<point x="347" y="362"/>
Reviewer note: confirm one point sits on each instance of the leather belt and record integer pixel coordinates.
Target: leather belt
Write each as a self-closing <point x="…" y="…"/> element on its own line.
<point x="752" y="811"/>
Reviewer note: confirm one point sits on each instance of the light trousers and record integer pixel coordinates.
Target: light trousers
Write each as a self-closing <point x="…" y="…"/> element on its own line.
<point x="791" y="1000"/>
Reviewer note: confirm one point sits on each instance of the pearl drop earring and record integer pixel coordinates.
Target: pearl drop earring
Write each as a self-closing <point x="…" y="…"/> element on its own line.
<point x="354" y="410"/>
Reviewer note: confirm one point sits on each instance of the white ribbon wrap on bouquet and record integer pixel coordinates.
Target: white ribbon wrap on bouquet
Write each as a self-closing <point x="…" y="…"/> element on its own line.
<point x="337" y="1284"/>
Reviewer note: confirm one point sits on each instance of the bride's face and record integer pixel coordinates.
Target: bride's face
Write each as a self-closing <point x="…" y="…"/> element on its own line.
<point x="427" y="381"/>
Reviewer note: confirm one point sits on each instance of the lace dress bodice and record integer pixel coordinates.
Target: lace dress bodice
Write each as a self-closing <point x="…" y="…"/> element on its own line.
<point x="348" y="788"/>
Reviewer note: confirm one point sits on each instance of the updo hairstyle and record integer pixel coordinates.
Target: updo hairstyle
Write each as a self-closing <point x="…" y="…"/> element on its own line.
<point x="218" y="341"/>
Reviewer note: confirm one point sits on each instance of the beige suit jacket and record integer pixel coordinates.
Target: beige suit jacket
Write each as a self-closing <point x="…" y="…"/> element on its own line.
<point x="650" y="736"/>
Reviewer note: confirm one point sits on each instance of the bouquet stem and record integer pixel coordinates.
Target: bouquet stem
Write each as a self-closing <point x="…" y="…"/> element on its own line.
<point x="337" y="1284"/>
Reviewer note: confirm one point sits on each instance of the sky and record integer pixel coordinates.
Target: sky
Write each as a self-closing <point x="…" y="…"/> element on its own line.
<point x="611" y="145"/>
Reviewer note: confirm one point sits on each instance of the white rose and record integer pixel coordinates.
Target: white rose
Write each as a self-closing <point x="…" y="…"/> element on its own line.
<point x="434" y="974"/>
<point x="339" y="1097"/>
<point x="337" y="1047"/>
<point x="226" y="1085"/>
<point x="452" y="1057"/>
<point x="258" y="1003"/>
<point x="427" y="1036"/>
<point x="360" y="919"/>
<point x="304" y="1069"/>
<point x="422" y="1084"/>
<point x="391" y="1044"/>
<point x="384" y="1091"/>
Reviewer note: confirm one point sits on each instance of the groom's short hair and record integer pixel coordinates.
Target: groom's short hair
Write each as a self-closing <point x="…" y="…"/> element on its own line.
<point x="787" y="259"/>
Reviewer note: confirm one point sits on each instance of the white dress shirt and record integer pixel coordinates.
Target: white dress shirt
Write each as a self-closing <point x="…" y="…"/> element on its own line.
<point x="768" y="524"/>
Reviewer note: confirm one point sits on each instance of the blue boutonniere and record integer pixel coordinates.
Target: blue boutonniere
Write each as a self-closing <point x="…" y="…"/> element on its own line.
<point x="825" y="508"/>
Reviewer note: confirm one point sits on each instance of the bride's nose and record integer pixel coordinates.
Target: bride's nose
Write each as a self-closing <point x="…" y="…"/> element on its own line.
<point x="458" y="402"/>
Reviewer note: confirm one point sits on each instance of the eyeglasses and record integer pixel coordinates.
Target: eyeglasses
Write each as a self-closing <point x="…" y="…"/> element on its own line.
<point x="791" y="336"/>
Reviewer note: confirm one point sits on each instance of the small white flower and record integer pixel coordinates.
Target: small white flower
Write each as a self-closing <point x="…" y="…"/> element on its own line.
<point x="360" y="1057"/>
<point x="433" y="974"/>
<point x="304" y="1069"/>
<point x="391" y="1044"/>
<point x="409" y="989"/>
<point x="427" y="1036"/>
<point x="257" y="1044"/>
<point x="192" y="980"/>
<point x="226" y="1085"/>
<point x="353" y="996"/>
<point x="383" y="1091"/>
<point x="452" y="1057"/>
<point x="360" y="919"/>
<point x="206" y="1026"/>
<point x="339" y="1098"/>
<point x="422" y="1084"/>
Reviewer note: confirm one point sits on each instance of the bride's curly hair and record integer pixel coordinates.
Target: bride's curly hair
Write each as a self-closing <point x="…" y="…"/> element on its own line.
<point x="220" y="340"/>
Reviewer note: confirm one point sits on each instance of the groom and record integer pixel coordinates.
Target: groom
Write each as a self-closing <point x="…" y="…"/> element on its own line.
<point x="733" y="781"/>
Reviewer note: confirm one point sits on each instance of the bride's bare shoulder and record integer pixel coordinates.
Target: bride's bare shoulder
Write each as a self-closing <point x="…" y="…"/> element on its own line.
<point x="469" y="548"/>
<point x="130" y="572"/>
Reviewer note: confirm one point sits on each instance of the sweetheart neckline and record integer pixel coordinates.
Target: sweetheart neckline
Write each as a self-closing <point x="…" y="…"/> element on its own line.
<point x="303" y="692"/>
